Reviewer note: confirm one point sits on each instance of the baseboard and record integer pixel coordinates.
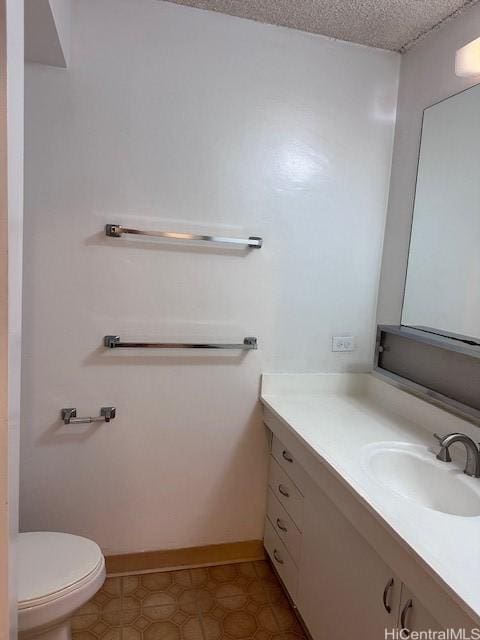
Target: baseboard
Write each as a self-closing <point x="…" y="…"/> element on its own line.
<point x="190" y="557"/>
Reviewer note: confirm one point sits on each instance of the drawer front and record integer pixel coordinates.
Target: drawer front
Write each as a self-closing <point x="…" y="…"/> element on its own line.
<point x="287" y="461"/>
<point x="284" y="526"/>
<point x="286" y="492"/>
<point x="281" y="559"/>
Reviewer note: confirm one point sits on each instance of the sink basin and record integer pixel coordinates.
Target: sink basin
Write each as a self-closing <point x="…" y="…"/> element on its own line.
<point x="413" y="472"/>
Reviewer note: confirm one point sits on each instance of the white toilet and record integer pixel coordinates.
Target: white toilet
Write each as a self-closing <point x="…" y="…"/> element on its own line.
<point x="57" y="574"/>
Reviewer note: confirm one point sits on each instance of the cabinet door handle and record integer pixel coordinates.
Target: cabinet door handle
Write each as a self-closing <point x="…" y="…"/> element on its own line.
<point x="281" y="525"/>
<point x="283" y="491"/>
<point x="277" y="556"/>
<point x="287" y="456"/>
<point x="403" y="617"/>
<point x="386" y="591"/>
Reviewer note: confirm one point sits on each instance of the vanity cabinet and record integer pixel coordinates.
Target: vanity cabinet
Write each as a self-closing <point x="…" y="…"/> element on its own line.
<point x="345" y="590"/>
<point x="340" y="585"/>
<point x="285" y="512"/>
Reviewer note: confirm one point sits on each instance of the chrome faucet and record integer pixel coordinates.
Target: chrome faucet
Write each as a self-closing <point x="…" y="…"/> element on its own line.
<point x="472" y="466"/>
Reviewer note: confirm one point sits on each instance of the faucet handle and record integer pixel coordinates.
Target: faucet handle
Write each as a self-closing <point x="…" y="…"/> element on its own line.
<point x="444" y="453"/>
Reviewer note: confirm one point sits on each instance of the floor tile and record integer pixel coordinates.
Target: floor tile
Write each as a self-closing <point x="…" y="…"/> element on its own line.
<point x="239" y="618"/>
<point x="269" y="580"/>
<point x="155" y="589"/>
<point x="226" y="581"/>
<point x="104" y="625"/>
<point x="110" y="634"/>
<point x="109" y="597"/>
<point x="242" y="601"/>
<point x="286" y="619"/>
<point x="160" y="623"/>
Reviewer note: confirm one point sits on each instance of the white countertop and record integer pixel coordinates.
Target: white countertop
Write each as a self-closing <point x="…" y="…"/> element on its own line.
<point x="335" y="415"/>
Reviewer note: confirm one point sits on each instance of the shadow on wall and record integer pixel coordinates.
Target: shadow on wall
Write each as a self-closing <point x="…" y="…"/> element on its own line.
<point x="60" y="433"/>
<point x="104" y="356"/>
<point x="185" y="246"/>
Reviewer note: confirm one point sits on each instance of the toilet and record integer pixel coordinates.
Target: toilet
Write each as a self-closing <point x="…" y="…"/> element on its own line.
<point x="57" y="574"/>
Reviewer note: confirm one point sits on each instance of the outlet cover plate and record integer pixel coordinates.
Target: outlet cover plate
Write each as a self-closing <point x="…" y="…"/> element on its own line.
<point x="343" y="343"/>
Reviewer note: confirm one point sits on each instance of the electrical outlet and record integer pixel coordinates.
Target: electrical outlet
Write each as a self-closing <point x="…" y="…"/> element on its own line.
<point x="343" y="343"/>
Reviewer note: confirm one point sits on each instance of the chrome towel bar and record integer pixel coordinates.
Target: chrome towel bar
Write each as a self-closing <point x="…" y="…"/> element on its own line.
<point x="117" y="231"/>
<point x="113" y="342"/>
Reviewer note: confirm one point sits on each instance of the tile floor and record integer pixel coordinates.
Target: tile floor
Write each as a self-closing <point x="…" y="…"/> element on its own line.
<point x="230" y="602"/>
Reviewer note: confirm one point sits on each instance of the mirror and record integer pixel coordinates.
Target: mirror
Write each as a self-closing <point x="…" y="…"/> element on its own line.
<point x="442" y="290"/>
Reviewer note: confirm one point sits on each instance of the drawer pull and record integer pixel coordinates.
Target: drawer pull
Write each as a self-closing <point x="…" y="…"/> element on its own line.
<point x="277" y="557"/>
<point x="386" y="592"/>
<point x="287" y="456"/>
<point x="281" y="525"/>
<point x="283" y="491"/>
<point x="403" y="618"/>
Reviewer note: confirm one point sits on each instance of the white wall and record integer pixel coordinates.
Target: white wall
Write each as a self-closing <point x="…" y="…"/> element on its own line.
<point x="61" y="11"/>
<point x="47" y="32"/>
<point x="170" y="117"/>
<point x="427" y="75"/>
<point x="4" y="515"/>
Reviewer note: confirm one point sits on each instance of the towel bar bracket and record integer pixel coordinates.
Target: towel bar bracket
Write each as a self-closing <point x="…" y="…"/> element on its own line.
<point x="113" y="230"/>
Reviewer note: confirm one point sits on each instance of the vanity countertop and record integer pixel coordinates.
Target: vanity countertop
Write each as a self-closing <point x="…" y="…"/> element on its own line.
<point x="335" y="415"/>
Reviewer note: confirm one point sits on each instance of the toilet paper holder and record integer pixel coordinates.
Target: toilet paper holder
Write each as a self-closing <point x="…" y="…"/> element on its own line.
<point x="69" y="416"/>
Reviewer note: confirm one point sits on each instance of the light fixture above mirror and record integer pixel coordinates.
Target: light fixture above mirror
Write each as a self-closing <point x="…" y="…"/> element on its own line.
<point x="467" y="60"/>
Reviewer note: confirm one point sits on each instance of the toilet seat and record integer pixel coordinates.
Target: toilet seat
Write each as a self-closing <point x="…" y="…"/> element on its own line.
<point x="57" y="574"/>
<point x="50" y="565"/>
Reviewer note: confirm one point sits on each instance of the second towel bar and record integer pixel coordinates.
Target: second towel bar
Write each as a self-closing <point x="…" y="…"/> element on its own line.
<point x="114" y="342"/>
<point x="116" y="231"/>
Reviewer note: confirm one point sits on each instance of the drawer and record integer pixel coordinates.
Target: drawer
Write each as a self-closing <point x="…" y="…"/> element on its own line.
<point x="284" y="526"/>
<point x="287" y="461"/>
<point x="281" y="559"/>
<point x="286" y="492"/>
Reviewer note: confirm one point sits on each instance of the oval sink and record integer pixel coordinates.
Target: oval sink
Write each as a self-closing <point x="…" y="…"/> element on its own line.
<point x="413" y="472"/>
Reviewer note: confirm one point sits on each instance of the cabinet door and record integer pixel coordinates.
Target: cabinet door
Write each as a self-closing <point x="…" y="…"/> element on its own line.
<point x="413" y="616"/>
<point x="345" y="590"/>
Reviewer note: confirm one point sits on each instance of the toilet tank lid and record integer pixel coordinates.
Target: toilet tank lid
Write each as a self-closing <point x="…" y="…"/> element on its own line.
<point x="49" y="564"/>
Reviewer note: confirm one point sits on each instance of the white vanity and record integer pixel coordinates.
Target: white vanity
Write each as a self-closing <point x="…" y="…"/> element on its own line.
<point x="366" y="528"/>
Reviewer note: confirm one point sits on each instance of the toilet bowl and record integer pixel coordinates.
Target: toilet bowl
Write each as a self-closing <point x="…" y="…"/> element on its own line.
<point x="57" y="574"/>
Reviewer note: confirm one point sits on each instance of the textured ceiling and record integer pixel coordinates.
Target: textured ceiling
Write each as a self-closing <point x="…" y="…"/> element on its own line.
<point x="388" y="24"/>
